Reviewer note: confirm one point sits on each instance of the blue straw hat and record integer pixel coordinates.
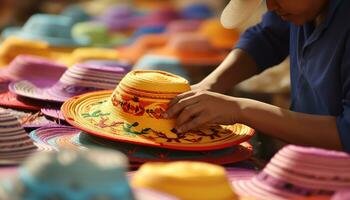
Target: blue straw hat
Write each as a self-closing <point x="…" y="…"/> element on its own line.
<point x="197" y="11"/>
<point x="54" y="29"/>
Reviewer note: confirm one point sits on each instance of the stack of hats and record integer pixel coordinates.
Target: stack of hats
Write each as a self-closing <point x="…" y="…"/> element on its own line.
<point x="15" y="144"/>
<point x="133" y="113"/>
<point x="79" y="79"/>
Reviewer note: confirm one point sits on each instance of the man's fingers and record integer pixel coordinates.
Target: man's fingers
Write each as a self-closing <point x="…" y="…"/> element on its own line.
<point x="183" y="103"/>
<point x="194" y="123"/>
<point x="188" y="113"/>
<point x="179" y="97"/>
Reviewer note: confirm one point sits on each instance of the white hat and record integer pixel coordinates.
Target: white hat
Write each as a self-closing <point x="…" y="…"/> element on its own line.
<point x="238" y="11"/>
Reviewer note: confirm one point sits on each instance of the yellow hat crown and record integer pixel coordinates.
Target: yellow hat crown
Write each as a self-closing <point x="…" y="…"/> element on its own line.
<point x="143" y="96"/>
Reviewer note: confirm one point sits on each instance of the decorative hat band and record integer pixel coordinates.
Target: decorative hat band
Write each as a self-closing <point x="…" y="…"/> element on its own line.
<point x="143" y="100"/>
<point x="290" y="187"/>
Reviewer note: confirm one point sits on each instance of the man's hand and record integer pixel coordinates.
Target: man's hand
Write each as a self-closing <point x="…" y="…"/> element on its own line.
<point x="198" y="107"/>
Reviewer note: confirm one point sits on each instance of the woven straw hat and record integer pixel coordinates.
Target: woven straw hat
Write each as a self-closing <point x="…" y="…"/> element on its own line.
<point x="299" y="172"/>
<point x="133" y="113"/>
<point x="186" y="180"/>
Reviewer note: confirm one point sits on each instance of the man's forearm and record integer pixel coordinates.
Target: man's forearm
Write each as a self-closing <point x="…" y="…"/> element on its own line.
<point x="292" y="127"/>
<point x="237" y="67"/>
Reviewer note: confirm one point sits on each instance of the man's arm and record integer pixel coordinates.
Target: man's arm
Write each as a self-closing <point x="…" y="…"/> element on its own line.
<point x="292" y="127"/>
<point x="260" y="47"/>
<point x="236" y="67"/>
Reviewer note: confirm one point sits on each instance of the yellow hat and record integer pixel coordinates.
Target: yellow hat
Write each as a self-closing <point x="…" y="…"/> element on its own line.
<point x="84" y="54"/>
<point x="186" y="180"/>
<point x="12" y="47"/>
<point x="133" y="113"/>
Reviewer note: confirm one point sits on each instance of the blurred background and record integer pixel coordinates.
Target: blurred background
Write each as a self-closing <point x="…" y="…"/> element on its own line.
<point x="147" y="34"/>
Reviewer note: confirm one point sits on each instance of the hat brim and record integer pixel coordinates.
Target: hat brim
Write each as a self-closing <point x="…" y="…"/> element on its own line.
<point x="53" y="113"/>
<point x="10" y="100"/>
<point x="57" y="137"/>
<point x="238" y="11"/>
<point x="6" y="191"/>
<point x="53" y="41"/>
<point x="67" y="137"/>
<point x="28" y="89"/>
<point x="142" y="154"/>
<point x="94" y="113"/>
<point x="257" y="189"/>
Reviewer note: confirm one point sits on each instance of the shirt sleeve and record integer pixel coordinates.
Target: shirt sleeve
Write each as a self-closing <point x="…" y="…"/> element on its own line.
<point x="343" y="120"/>
<point x="267" y="42"/>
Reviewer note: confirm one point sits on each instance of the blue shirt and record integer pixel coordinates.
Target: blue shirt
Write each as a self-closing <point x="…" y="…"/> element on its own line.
<point x="319" y="59"/>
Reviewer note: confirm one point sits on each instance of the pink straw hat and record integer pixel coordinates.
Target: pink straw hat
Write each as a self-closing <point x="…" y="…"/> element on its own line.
<point x="299" y="172"/>
<point x="32" y="68"/>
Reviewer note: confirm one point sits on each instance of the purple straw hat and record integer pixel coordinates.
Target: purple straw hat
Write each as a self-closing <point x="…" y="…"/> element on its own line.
<point x="117" y="18"/>
<point x="79" y="79"/>
<point x="15" y="144"/>
<point x="159" y="17"/>
<point x="111" y="63"/>
<point x="299" y="172"/>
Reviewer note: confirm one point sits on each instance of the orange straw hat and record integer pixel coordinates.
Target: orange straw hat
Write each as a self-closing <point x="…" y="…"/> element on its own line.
<point x="238" y="11"/>
<point x="219" y="36"/>
<point x="192" y="49"/>
<point x="133" y="113"/>
<point x="141" y="46"/>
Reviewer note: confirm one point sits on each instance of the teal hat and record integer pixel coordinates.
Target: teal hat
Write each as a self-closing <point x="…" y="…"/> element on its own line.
<point x="55" y="29"/>
<point x="74" y="175"/>
<point x="77" y="13"/>
<point x="168" y="64"/>
<point x="97" y="34"/>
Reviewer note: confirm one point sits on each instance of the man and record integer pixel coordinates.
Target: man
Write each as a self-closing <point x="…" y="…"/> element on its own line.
<point x="316" y="35"/>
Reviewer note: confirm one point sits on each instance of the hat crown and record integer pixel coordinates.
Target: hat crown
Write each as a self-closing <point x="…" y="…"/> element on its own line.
<point x="308" y="170"/>
<point x="155" y="83"/>
<point x="185" y="179"/>
<point x="92" y="75"/>
<point x="49" y="25"/>
<point x="30" y="67"/>
<point x="74" y="174"/>
<point x="13" y="137"/>
<point x="95" y="32"/>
